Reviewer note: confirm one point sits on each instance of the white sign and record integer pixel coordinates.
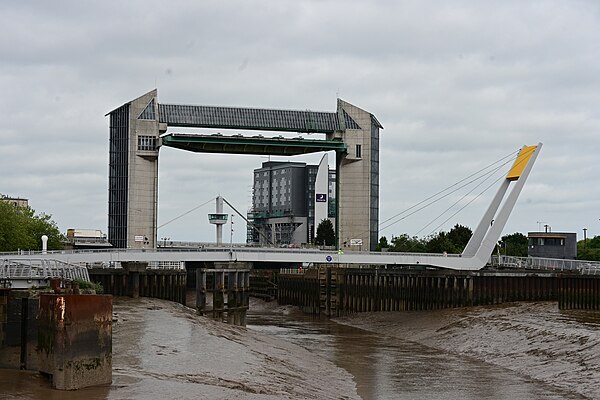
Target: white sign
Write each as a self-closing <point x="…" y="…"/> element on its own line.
<point x="355" y="242"/>
<point x="139" y="238"/>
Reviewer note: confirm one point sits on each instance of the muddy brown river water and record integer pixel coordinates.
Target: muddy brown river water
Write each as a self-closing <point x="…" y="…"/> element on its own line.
<point x="519" y="351"/>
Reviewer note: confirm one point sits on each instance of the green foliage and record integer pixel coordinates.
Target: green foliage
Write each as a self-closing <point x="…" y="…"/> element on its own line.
<point x="440" y="243"/>
<point x="325" y="233"/>
<point x="89" y="285"/>
<point x="513" y="245"/>
<point x="407" y="244"/>
<point x="452" y="242"/>
<point x="589" y="251"/>
<point x="459" y="236"/>
<point x="22" y="229"/>
<point x="383" y="244"/>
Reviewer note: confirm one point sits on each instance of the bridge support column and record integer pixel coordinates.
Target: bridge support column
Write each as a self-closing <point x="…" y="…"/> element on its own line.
<point x="133" y="270"/>
<point x="233" y="282"/>
<point x="200" y="291"/>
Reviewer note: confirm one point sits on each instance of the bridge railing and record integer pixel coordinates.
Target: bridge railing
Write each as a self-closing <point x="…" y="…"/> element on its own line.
<point x="41" y="269"/>
<point x="549" y="264"/>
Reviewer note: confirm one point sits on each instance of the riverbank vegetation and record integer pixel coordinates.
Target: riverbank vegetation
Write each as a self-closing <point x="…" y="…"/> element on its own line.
<point x="22" y="229"/>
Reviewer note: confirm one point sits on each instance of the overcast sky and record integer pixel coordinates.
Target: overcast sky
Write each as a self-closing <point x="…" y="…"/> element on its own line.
<point x="456" y="85"/>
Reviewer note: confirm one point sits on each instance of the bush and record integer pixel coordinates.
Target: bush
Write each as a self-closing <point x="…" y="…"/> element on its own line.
<point x="89" y="285"/>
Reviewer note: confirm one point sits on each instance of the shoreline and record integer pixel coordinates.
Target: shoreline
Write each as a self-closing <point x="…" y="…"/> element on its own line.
<point x="536" y="340"/>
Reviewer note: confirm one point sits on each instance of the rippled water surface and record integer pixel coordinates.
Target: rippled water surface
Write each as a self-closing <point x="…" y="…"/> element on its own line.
<point x="388" y="367"/>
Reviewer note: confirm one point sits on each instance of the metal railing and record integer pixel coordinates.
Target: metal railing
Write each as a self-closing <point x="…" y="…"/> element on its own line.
<point x="547" y="264"/>
<point x="40" y="269"/>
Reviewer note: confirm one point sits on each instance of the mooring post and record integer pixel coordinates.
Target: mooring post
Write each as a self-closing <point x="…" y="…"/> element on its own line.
<point x="200" y="291"/>
<point x="218" y="295"/>
<point x="231" y="298"/>
<point x="245" y="297"/>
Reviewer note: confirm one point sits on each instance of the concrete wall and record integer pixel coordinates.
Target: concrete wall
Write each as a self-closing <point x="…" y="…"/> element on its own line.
<point x="358" y="211"/>
<point x="143" y="175"/>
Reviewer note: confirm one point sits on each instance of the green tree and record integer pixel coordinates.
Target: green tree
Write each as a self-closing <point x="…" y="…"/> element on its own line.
<point x="407" y="244"/>
<point x="513" y="245"/>
<point x="325" y="233"/>
<point x="589" y="250"/>
<point x="21" y="229"/>
<point x="460" y="236"/>
<point x="441" y="243"/>
<point x="383" y="244"/>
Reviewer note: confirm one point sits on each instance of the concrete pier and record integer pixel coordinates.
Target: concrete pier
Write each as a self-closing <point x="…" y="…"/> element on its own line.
<point x="75" y="339"/>
<point x="166" y="284"/>
<point x="66" y="336"/>
<point x="229" y="289"/>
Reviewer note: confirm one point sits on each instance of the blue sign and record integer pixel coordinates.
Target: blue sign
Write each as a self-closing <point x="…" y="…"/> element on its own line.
<point x="321" y="197"/>
<point x="329" y="258"/>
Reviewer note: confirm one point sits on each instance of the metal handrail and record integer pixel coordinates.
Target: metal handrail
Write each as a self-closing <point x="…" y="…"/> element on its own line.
<point x="547" y="264"/>
<point x="41" y="269"/>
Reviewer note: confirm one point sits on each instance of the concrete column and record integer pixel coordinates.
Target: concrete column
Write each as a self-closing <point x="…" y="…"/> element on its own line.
<point x="200" y="291"/>
<point x="133" y="270"/>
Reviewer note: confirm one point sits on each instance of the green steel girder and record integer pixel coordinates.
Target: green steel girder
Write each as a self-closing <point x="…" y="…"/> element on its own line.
<point x="249" y="145"/>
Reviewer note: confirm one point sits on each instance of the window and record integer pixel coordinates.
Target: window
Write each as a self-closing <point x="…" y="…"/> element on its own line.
<point x="146" y="143"/>
<point x="358" y="151"/>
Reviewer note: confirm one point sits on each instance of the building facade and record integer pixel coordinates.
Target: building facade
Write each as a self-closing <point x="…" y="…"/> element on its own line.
<point x="283" y="203"/>
<point x="16" y="201"/>
<point x="552" y="245"/>
<point x="133" y="173"/>
<point x="357" y="191"/>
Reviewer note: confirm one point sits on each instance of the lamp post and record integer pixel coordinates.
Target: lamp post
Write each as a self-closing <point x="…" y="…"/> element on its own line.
<point x="585" y="241"/>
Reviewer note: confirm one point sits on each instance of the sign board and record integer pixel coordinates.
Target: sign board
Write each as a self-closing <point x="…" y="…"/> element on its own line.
<point x="329" y="259"/>
<point x="321" y="197"/>
<point x="139" y="238"/>
<point x="355" y="242"/>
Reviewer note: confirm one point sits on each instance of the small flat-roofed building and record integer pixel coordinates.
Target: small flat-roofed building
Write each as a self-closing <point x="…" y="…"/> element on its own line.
<point x="552" y="245"/>
<point x="86" y="239"/>
<point x="16" y="201"/>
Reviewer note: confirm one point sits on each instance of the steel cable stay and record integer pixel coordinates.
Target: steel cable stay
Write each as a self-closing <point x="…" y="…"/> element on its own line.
<point x="186" y="213"/>
<point x="386" y="224"/>
<point x="433" y="202"/>
<point x="465" y="206"/>
<point x="502" y="176"/>
<point x="510" y="158"/>
<point x="461" y="199"/>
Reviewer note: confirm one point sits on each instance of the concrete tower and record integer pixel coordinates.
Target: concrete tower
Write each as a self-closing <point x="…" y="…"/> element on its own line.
<point x="357" y="184"/>
<point x="133" y="173"/>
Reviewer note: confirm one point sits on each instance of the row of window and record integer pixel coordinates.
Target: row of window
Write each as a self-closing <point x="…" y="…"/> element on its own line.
<point x="546" y="241"/>
<point x="146" y="143"/>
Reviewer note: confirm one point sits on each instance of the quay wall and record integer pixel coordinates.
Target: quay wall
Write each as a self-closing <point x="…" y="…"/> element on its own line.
<point x="338" y="291"/>
<point x="579" y="292"/>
